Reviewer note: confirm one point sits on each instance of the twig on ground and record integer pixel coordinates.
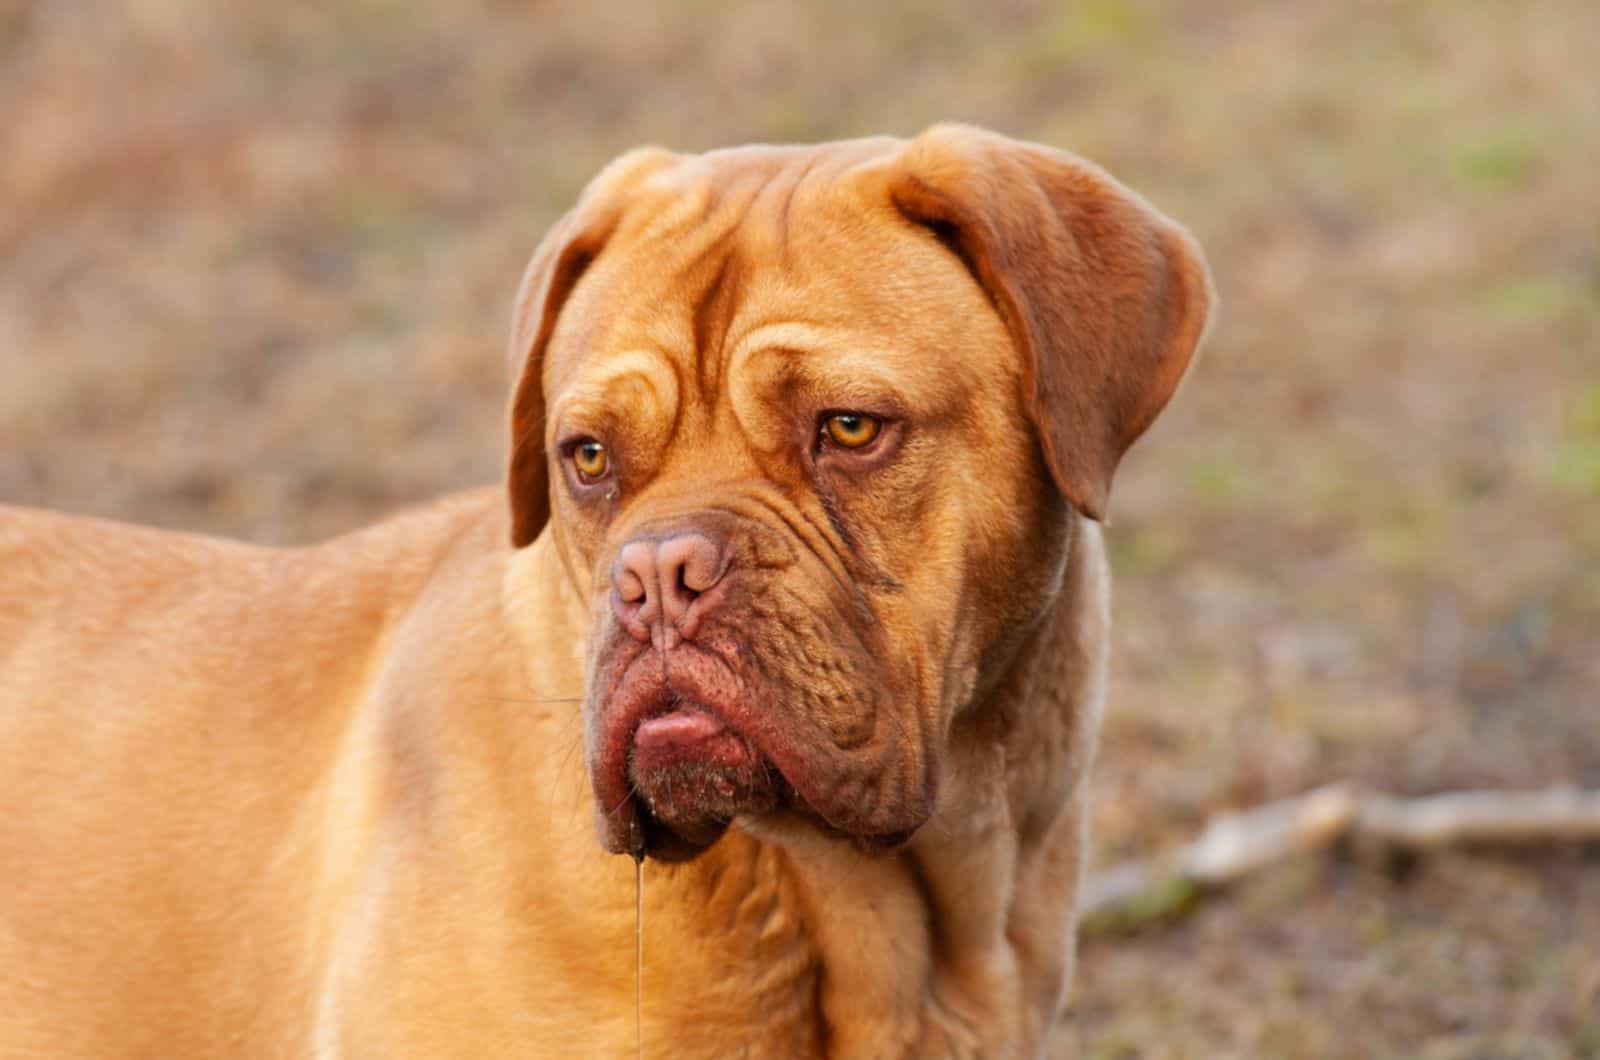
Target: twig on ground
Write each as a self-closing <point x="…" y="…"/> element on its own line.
<point x="1233" y="845"/>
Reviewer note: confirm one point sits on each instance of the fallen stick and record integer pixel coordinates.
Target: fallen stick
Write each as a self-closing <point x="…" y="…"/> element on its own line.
<point x="1555" y="815"/>
<point x="1233" y="845"/>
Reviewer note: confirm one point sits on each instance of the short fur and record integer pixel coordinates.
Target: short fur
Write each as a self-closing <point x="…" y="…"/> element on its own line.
<point x="343" y="801"/>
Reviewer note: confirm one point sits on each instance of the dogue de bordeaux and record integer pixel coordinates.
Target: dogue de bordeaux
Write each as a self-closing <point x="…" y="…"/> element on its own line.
<point x="795" y="590"/>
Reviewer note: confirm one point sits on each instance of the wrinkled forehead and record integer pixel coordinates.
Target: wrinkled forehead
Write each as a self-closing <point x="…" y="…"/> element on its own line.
<point x="725" y="260"/>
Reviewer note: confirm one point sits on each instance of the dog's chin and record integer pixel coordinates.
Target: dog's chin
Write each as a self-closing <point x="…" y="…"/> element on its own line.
<point x="678" y="759"/>
<point x="687" y="778"/>
<point x="689" y="775"/>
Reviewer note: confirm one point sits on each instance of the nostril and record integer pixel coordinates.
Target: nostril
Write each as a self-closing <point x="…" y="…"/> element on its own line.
<point x="696" y="563"/>
<point x="684" y="586"/>
<point x="633" y="571"/>
<point x="632" y="574"/>
<point x="629" y="587"/>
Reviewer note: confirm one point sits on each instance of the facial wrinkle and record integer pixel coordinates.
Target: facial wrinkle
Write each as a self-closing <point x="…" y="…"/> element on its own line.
<point x="831" y="558"/>
<point x="784" y="211"/>
<point x="712" y="313"/>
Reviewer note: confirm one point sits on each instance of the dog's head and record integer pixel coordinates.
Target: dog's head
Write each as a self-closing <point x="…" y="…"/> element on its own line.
<point x="807" y="425"/>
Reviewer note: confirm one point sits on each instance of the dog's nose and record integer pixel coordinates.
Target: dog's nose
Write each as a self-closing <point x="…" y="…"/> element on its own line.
<point x="660" y="585"/>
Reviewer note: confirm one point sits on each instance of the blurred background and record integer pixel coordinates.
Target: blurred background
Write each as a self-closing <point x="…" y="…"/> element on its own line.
<point x="256" y="262"/>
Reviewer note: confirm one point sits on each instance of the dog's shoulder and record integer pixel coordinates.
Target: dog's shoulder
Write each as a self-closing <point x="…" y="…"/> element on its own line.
<point x="43" y="552"/>
<point x="95" y="575"/>
<point x="116" y="610"/>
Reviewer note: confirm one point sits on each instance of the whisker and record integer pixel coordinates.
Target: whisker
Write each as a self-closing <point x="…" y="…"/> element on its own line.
<point x="572" y="736"/>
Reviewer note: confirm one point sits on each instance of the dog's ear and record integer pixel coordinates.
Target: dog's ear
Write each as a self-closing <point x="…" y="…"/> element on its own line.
<point x="559" y="262"/>
<point x="1105" y="298"/>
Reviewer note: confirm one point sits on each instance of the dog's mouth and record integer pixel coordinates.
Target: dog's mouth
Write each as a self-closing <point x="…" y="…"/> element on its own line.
<point x="671" y="771"/>
<point x="689" y="774"/>
<point x="679" y="753"/>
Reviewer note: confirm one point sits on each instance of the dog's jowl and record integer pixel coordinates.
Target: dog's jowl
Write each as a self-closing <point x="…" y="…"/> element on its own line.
<point x="794" y="588"/>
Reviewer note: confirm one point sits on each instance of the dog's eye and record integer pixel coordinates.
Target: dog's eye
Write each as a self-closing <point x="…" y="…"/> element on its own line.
<point x="850" y="430"/>
<point x="590" y="459"/>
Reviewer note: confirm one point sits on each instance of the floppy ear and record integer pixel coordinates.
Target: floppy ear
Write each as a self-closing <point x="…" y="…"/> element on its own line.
<point x="1105" y="298"/>
<point x="559" y="262"/>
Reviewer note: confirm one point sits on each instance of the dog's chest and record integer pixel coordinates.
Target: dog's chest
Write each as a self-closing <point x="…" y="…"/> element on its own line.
<point x="727" y="958"/>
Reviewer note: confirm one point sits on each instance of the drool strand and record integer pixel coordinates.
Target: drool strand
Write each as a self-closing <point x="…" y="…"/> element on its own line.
<point x="638" y="953"/>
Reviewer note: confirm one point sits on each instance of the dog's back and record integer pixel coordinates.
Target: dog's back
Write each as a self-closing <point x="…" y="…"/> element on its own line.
<point x="170" y="727"/>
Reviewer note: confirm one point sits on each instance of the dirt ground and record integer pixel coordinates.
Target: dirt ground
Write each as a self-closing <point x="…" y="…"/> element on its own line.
<point x="256" y="261"/>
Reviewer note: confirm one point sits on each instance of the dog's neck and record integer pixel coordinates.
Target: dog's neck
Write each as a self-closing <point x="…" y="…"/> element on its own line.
<point x="988" y="885"/>
<point x="959" y="943"/>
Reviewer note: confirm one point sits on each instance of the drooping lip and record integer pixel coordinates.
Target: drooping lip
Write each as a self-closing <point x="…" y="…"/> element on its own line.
<point x="642" y="689"/>
<point x="647" y="693"/>
<point x="691" y="775"/>
<point x="659" y="738"/>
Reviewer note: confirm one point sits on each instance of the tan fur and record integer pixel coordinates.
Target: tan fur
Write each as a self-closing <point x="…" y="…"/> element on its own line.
<point x="336" y="801"/>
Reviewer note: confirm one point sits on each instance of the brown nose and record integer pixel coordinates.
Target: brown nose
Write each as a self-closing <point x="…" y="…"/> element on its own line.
<point x="662" y="586"/>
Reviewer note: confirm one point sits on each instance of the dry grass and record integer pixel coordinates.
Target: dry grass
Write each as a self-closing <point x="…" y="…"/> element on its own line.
<point x="255" y="263"/>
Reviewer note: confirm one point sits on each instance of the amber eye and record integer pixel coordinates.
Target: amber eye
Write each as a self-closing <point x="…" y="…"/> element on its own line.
<point x="589" y="457"/>
<point x="851" y="430"/>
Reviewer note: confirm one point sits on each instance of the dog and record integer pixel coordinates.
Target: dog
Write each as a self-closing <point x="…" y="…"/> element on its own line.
<point x="795" y="590"/>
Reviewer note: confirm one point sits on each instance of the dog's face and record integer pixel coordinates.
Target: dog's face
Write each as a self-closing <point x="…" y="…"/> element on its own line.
<point x="808" y="424"/>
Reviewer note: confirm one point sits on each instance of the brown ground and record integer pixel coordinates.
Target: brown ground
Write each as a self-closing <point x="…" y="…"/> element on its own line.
<point x="256" y="259"/>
